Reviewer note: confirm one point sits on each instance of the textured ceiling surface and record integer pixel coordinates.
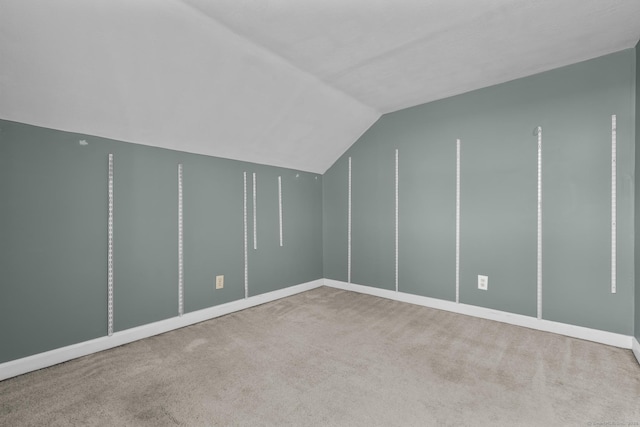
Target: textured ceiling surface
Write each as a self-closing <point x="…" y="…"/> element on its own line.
<point x="280" y="82"/>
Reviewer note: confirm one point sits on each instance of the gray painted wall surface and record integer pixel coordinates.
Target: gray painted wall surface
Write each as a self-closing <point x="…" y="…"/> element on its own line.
<point x="335" y="226"/>
<point x="53" y="253"/>
<point x="299" y="260"/>
<point x="53" y="228"/>
<point x="574" y="105"/>
<point x="145" y="236"/>
<point x="637" y="195"/>
<point x="372" y="235"/>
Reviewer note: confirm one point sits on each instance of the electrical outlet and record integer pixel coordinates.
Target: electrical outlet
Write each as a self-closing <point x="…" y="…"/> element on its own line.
<point x="483" y="282"/>
<point x="219" y="282"/>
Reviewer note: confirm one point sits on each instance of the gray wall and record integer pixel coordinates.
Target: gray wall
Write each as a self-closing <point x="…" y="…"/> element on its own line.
<point x="637" y="195"/>
<point x="53" y="229"/>
<point x="54" y="214"/>
<point x="574" y="105"/>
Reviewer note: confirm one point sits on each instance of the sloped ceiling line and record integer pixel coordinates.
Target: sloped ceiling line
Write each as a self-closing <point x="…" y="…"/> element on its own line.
<point x="274" y="54"/>
<point x="159" y="73"/>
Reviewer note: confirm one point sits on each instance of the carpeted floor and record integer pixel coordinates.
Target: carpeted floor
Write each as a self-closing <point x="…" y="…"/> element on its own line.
<point x="334" y="358"/>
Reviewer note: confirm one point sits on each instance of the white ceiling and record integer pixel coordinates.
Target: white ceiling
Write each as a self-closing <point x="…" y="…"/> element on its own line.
<point x="289" y="83"/>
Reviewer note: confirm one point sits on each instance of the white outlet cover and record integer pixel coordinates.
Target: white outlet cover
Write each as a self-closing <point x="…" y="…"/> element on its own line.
<point x="483" y="282"/>
<point x="219" y="282"/>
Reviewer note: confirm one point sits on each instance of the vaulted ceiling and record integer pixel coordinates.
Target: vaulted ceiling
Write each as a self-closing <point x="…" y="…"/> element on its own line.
<point x="289" y="83"/>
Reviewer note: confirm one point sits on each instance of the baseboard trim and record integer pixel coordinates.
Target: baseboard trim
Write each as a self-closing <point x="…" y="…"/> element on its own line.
<point x="595" y="335"/>
<point x="635" y="347"/>
<point x="53" y="357"/>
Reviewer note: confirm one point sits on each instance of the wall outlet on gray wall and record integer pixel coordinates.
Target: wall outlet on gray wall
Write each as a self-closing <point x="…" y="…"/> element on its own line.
<point x="219" y="282"/>
<point x="483" y="282"/>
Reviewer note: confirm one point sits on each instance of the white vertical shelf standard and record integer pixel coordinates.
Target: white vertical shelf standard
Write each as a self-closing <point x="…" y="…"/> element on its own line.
<point x="180" y="246"/>
<point x="280" y="207"/>
<point x="110" y="251"/>
<point x="613" y="204"/>
<point x="246" y="242"/>
<point x="539" y="266"/>
<point x="457" y="221"/>
<point x="349" y="227"/>
<point x="397" y="247"/>
<point x="255" y="212"/>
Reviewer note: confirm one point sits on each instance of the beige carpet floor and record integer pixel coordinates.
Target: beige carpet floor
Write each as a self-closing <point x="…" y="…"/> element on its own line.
<point x="334" y="358"/>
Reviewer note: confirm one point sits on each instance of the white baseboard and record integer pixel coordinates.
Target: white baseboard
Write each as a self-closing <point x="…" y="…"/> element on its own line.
<point x="43" y="360"/>
<point x="603" y="337"/>
<point x="635" y="346"/>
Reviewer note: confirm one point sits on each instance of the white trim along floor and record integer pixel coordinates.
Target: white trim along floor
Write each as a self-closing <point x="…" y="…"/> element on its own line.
<point x="42" y="360"/>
